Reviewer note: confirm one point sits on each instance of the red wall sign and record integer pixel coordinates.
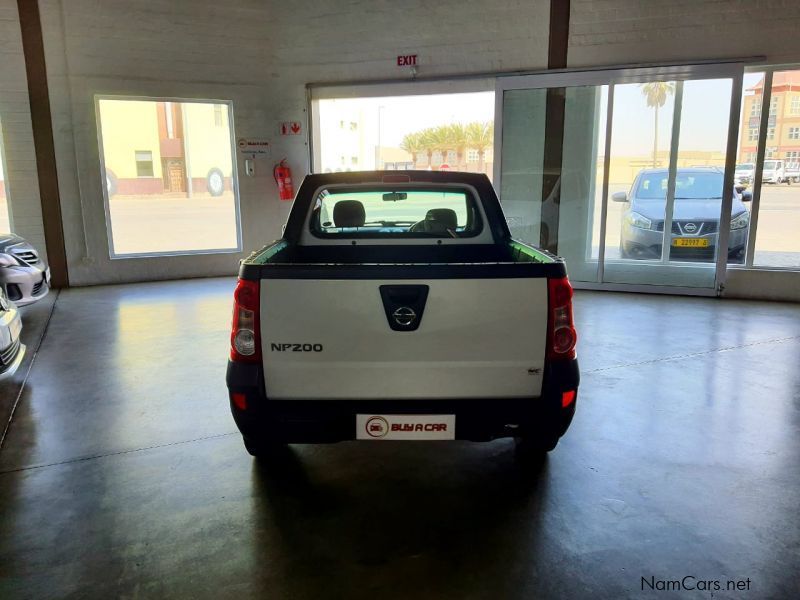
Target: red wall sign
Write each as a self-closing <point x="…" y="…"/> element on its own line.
<point x="291" y="128"/>
<point x="409" y="60"/>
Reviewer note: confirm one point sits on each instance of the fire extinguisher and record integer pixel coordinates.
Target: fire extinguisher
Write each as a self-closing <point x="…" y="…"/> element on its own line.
<point x="283" y="177"/>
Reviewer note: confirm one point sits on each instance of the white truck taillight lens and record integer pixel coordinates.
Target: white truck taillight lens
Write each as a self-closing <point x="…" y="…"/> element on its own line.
<point x="245" y="334"/>
<point x="561" y="334"/>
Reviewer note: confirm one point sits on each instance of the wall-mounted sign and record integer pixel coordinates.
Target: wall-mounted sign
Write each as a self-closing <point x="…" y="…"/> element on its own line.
<point x="408" y="60"/>
<point x="291" y="128"/>
<point x="254" y="146"/>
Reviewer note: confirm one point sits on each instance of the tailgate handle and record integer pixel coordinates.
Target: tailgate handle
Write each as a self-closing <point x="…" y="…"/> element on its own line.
<point x="404" y="305"/>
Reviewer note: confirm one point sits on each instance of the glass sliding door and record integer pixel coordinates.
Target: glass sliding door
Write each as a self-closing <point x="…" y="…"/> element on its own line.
<point x="522" y="168"/>
<point x="677" y="189"/>
<point x="768" y="165"/>
<point x="645" y="191"/>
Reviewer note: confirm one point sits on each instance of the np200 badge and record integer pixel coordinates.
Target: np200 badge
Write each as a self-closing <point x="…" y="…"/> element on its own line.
<point x="296" y="347"/>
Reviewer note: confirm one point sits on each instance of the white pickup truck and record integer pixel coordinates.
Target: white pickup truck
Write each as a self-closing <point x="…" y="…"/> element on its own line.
<point x="398" y="307"/>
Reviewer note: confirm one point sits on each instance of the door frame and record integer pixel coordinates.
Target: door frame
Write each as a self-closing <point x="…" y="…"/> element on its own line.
<point x="733" y="70"/>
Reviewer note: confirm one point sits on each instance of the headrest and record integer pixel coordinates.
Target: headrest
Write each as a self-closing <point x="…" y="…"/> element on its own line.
<point x="445" y="217"/>
<point x="349" y="213"/>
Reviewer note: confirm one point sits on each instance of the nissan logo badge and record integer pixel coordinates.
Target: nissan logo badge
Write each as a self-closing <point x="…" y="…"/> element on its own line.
<point x="404" y="316"/>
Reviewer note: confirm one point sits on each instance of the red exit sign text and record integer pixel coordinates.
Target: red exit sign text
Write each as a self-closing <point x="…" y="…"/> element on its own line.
<point x="409" y="60"/>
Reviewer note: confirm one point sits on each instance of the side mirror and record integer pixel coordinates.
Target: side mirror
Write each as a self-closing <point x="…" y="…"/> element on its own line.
<point x="747" y="196"/>
<point x="619" y="196"/>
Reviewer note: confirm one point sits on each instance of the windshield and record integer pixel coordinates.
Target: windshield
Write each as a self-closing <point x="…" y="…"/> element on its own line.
<point x="388" y="212"/>
<point x="688" y="186"/>
<point x="745" y="167"/>
<point x="769" y="164"/>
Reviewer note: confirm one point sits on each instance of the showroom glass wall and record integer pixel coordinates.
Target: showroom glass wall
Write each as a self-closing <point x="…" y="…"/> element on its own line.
<point x="645" y="151"/>
<point x="170" y="176"/>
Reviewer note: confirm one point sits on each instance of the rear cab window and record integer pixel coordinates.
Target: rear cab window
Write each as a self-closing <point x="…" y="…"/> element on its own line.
<point x="386" y="212"/>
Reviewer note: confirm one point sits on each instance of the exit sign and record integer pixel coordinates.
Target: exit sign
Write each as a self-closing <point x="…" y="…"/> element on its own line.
<point x="408" y="60"/>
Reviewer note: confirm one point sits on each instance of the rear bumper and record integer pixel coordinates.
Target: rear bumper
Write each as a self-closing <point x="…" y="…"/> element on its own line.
<point x="323" y="421"/>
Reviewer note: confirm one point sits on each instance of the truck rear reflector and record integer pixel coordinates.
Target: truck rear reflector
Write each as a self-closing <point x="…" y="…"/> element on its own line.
<point x="239" y="400"/>
<point x="245" y="330"/>
<point x="561" y="334"/>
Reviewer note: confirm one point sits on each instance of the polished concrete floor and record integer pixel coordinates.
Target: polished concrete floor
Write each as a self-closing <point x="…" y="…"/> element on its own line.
<point x="122" y="474"/>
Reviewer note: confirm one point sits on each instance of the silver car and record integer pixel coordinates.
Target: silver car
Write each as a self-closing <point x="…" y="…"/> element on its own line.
<point x="12" y="351"/>
<point x="24" y="276"/>
<point x="695" y="219"/>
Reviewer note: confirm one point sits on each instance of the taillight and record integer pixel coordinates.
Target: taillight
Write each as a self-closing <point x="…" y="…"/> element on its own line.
<point x="561" y="335"/>
<point x="245" y="332"/>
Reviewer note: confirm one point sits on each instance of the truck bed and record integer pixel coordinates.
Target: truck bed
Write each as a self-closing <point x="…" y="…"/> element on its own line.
<point x="514" y="259"/>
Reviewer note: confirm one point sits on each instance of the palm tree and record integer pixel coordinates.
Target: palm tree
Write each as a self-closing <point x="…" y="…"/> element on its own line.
<point x="426" y="143"/>
<point x="412" y="143"/>
<point x="456" y="135"/>
<point x="656" y="93"/>
<point x="480" y="136"/>
<point x="435" y="140"/>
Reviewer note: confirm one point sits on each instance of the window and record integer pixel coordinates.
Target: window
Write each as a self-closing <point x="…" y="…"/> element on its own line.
<point x="166" y="163"/>
<point x="771" y="133"/>
<point x="353" y="160"/>
<point x="752" y="135"/>
<point x="144" y="163"/>
<point x="777" y="244"/>
<point x="381" y="211"/>
<point x="472" y="155"/>
<point x="755" y="107"/>
<point x="773" y="106"/>
<point x="421" y="128"/>
<point x="5" y="213"/>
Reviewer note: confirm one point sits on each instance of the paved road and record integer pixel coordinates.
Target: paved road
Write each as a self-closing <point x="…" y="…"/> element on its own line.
<point x="169" y="224"/>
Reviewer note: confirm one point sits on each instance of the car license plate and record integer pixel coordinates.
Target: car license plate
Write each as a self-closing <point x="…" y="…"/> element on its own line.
<point x="15" y="327"/>
<point x="690" y="242"/>
<point x="405" y="427"/>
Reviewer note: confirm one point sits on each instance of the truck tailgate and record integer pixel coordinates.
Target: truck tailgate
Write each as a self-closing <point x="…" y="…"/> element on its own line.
<point x="332" y="339"/>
